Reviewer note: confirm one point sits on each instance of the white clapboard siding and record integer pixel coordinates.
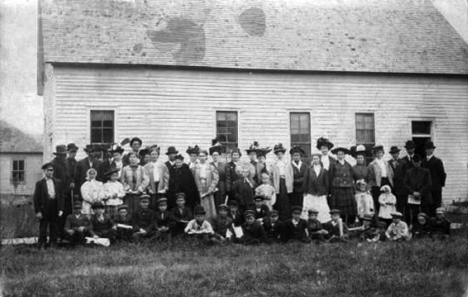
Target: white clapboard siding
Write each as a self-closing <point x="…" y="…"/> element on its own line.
<point x="178" y="107"/>
<point x="33" y="172"/>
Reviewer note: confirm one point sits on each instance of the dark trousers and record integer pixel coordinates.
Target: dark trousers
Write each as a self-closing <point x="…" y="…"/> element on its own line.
<point x="402" y="204"/>
<point x="49" y="222"/>
<point x="77" y="237"/>
<point x="67" y="209"/>
<point x="375" y="191"/>
<point x="436" y="202"/>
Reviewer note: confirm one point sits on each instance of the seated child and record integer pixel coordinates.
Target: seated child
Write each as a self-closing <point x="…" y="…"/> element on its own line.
<point x="144" y="221"/>
<point x="387" y="203"/>
<point x="243" y="189"/>
<point x="314" y="227"/>
<point x="398" y="230"/>
<point x="295" y="227"/>
<point x="77" y="225"/>
<point x="337" y="229"/>
<point x="368" y="232"/>
<point x="114" y="192"/>
<point x="421" y="228"/>
<point x="235" y="214"/>
<point x="440" y="226"/>
<point x="163" y="217"/>
<point x="253" y="232"/>
<point x="102" y="226"/>
<point x="365" y="203"/>
<point x="274" y="228"/>
<point x="199" y="228"/>
<point x="267" y="191"/>
<point x="181" y="215"/>
<point x="222" y="222"/>
<point x="124" y="224"/>
<point x="261" y="210"/>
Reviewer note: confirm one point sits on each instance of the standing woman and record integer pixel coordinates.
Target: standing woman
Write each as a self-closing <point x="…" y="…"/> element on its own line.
<point x="132" y="179"/>
<point x="193" y="155"/>
<point x="261" y="163"/>
<point x="231" y="173"/>
<point x="299" y="169"/>
<point x="181" y="181"/>
<point x="282" y="174"/>
<point x="360" y="169"/>
<point x="215" y="152"/>
<point x="379" y="174"/>
<point x="206" y="177"/>
<point x="155" y="177"/>
<point x="324" y="145"/>
<point x="342" y="186"/>
<point x="315" y="188"/>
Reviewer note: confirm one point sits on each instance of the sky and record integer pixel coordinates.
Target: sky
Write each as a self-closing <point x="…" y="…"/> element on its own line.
<point x="20" y="105"/>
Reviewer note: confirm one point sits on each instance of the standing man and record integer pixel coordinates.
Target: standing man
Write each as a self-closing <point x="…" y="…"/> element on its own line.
<point x="398" y="180"/>
<point x="418" y="186"/>
<point x="71" y="163"/>
<point x="408" y="159"/>
<point x="61" y="172"/>
<point x="438" y="176"/>
<point x="82" y="166"/>
<point x="299" y="169"/>
<point x="48" y="206"/>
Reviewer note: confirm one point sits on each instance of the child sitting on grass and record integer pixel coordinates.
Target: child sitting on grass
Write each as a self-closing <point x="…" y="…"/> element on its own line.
<point x="234" y="213"/>
<point x="295" y="227"/>
<point x="124" y="223"/>
<point x="314" y="227"/>
<point x="253" y="232"/>
<point x="163" y="219"/>
<point x="368" y="232"/>
<point x="337" y="229"/>
<point x="387" y="203"/>
<point x="261" y="210"/>
<point x="422" y="228"/>
<point x="77" y="225"/>
<point x="102" y="226"/>
<point x="274" y="228"/>
<point x="398" y="230"/>
<point x="267" y="191"/>
<point x="364" y="201"/>
<point x="440" y="226"/>
<point x="181" y="215"/>
<point x="199" y="228"/>
<point x="144" y="221"/>
<point x="222" y="223"/>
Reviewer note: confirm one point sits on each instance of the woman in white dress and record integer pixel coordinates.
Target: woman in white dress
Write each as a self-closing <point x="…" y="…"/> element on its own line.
<point x="206" y="177"/>
<point x="316" y="190"/>
<point x="92" y="191"/>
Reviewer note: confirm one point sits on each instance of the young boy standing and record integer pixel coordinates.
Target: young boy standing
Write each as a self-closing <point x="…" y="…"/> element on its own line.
<point x="181" y="215"/>
<point x="296" y="227"/>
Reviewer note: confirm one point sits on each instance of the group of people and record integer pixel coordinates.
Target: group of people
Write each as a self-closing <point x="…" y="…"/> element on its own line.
<point x="135" y="196"/>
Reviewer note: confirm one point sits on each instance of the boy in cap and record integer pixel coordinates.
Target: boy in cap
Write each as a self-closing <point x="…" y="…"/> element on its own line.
<point x="261" y="210"/>
<point x="114" y="192"/>
<point x="163" y="219"/>
<point x="181" y="215"/>
<point x="101" y="224"/>
<point x="295" y="227"/>
<point x="398" y="230"/>
<point x="253" y="232"/>
<point x="124" y="223"/>
<point x="337" y="229"/>
<point x="222" y="223"/>
<point x="144" y="221"/>
<point x="440" y="226"/>
<point x="314" y="227"/>
<point x="200" y="228"/>
<point x="77" y="225"/>
<point x="368" y="232"/>
<point x="234" y="213"/>
<point x="274" y="228"/>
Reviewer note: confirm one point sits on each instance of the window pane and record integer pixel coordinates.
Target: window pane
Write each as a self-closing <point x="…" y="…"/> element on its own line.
<point x="231" y="116"/>
<point x="108" y="135"/>
<point x="108" y="124"/>
<point x="96" y="136"/>
<point x="300" y="129"/>
<point x="360" y="136"/>
<point x="226" y="127"/>
<point x="421" y="127"/>
<point x="15" y="165"/>
<point x="305" y="137"/>
<point x="304" y="123"/>
<point x="220" y="116"/>
<point x="21" y="165"/>
<point x="21" y="176"/>
<point x="295" y="138"/>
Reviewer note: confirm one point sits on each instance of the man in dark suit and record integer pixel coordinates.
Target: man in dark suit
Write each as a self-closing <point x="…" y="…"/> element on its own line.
<point x="71" y="163"/>
<point x="299" y="170"/>
<point x="418" y="185"/>
<point x="85" y="164"/>
<point x="398" y="179"/>
<point x="62" y="173"/>
<point x="48" y="206"/>
<point x="438" y="176"/>
<point x="407" y="160"/>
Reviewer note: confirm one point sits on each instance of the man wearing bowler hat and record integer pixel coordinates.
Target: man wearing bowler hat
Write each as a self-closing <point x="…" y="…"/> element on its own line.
<point x="62" y="173"/>
<point x="408" y="159"/>
<point x="91" y="161"/>
<point x="48" y="206"/>
<point x="438" y="176"/>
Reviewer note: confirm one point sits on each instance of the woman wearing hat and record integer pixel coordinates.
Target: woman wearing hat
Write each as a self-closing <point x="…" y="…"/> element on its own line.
<point x="379" y="174"/>
<point x="132" y="179"/>
<point x="193" y="156"/>
<point x="324" y="145"/>
<point x="299" y="169"/>
<point x="283" y="178"/>
<point x="215" y="152"/>
<point x="261" y="163"/>
<point x="206" y="177"/>
<point x="116" y="152"/>
<point x="315" y="188"/>
<point x="232" y="172"/>
<point x="360" y="153"/>
<point x="342" y="186"/>
<point x="182" y="181"/>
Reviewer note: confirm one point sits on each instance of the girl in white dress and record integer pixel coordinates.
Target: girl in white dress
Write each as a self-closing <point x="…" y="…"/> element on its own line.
<point x="92" y="191"/>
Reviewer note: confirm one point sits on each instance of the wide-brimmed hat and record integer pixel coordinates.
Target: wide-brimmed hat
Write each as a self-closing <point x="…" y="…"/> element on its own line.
<point x="193" y="150"/>
<point x="410" y="144"/>
<point x="47" y="165"/>
<point x="199" y="210"/>
<point x="72" y="147"/>
<point x="394" y="149"/>
<point x="144" y="151"/>
<point x="378" y="148"/>
<point x="115" y="148"/>
<point x="111" y="170"/>
<point x="359" y="150"/>
<point x="216" y="146"/>
<point x="341" y="149"/>
<point x="253" y="148"/>
<point x="297" y="149"/>
<point x="322" y="141"/>
<point x="262" y="152"/>
<point x="90" y="148"/>
<point x="397" y="214"/>
<point x="60" y="149"/>
<point x="278" y="148"/>
<point x="172" y="150"/>
<point x="429" y="145"/>
<point x="97" y="205"/>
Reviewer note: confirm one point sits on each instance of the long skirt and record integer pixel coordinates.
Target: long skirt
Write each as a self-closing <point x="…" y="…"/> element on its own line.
<point x="318" y="202"/>
<point x="208" y="204"/>
<point x="296" y="198"/>
<point x="282" y="202"/>
<point x="344" y="200"/>
<point x="219" y="197"/>
<point x="132" y="201"/>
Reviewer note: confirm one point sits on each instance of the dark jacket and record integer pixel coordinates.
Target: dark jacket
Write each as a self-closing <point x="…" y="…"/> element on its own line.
<point x="73" y="223"/>
<point x="98" y="226"/>
<point x="164" y="219"/>
<point x="440" y="226"/>
<point x="316" y="185"/>
<point x="221" y="225"/>
<point x="144" y="219"/>
<point x="341" y="176"/>
<point x="82" y="167"/>
<point x="237" y="218"/>
<point x="61" y="172"/>
<point x="262" y="213"/>
<point x="177" y="215"/>
<point x="298" y="175"/>
<point x="244" y="192"/>
<point x="231" y="176"/>
<point x="71" y="168"/>
<point x="274" y="232"/>
<point x="438" y="175"/>
<point x="398" y="167"/>
<point x="41" y="197"/>
<point x="253" y="233"/>
<point x="297" y="232"/>
<point x="418" y="179"/>
<point x="181" y="180"/>
<point x="334" y="230"/>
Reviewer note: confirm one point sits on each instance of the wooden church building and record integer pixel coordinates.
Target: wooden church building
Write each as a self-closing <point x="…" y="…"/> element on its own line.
<point x="181" y="72"/>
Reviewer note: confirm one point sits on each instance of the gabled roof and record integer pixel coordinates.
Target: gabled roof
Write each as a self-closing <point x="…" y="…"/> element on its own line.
<point x="14" y="140"/>
<point x="397" y="36"/>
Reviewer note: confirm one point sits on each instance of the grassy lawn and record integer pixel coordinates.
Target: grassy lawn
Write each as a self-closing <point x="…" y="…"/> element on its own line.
<point x="420" y="268"/>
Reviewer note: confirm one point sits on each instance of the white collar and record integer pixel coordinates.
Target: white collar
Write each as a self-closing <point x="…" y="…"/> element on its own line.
<point x="298" y="165"/>
<point x="429" y="157"/>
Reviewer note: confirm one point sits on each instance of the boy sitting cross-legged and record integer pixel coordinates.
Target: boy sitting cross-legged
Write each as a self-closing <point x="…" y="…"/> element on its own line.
<point x="296" y="227"/>
<point x="144" y="221"/>
<point x="199" y="228"/>
<point x="314" y="227"/>
<point x="253" y="232"/>
<point x="181" y="215"/>
<point x="77" y="225"/>
<point x="274" y="228"/>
